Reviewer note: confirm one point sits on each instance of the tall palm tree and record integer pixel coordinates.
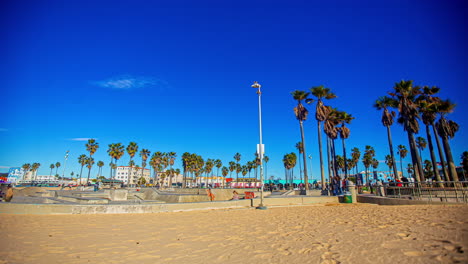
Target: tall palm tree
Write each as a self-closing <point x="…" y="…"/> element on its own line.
<point x="321" y="112"/>
<point x="132" y="149"/>
<point x="185" y="167"/>
<point x="447" y="130"/>
<point x="289" y="162"/>
<point x="52" y="166"/>
<point x="368" y="160"/>
<point x="421" y="144"/>
<point x="383" y="103"/>
<point x="389" y="162"/>
<point x="464" y="158"/>
<point x="331" y="130"/>
<point x="144" y="154"/>
<point x="218" y="165"/>
<point x="428" y="169"/>
<point x="429" y="105"/>
<point x="155" y="162"/>
<point x="57" y="166"/>
<point x="237" y="157"/>
<point x="406" y="95"/>
<point x="26" y="167"/>
<point x="89" y="165"/>
<point x="91" y="147"/>
<point x="266" y="159"/>
<point x="301" y="115"/>
<point x="35" y="166"/>
<point x="82" y="160"/>
<point x="232" y="167"/>
<point x="344" y="118"/>
<point x="402" y="151"/>
<point x="115" y="151"/>
<point x="100" y="164"/>
<point x="355" y="155"/>
<point x="225" y="172"/>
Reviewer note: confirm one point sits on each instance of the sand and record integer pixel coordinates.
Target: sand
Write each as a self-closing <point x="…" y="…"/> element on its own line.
<point x="307" y="234"/>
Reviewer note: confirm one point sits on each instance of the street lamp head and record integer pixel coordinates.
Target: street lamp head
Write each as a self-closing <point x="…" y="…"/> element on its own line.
<point x="256" y="85"/>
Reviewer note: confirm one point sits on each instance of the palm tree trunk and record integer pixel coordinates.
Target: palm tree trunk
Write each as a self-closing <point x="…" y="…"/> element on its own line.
<point x="433" y="157"/>
<point x="322" y="171"/>
<point x="335" y="163"/>
<point x="441" y="153"/>
<point x="304" y="156"/>
<point x="344" y="155"/>
<point x="390" y="144"/>
<point x="418" y="172"/>
<point x="89" y="173"/>
<point x="81" y="172"/>
<point x="401" y="166"/>
<point x="300" y="167"/>
<point x="329" y="160"/>
<point x="448" y="152"/>
<point x="184" y="179"/>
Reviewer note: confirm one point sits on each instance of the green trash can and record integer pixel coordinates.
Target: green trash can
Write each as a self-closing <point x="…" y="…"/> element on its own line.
<point x="347" y="198"/>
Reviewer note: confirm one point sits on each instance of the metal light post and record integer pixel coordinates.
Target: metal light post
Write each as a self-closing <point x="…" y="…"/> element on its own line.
<point x="65" y="164"/>
<point x="260" y="146"/>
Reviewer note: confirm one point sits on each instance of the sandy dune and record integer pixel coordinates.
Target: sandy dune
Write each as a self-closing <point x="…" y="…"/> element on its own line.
<point x="308" y="234"/>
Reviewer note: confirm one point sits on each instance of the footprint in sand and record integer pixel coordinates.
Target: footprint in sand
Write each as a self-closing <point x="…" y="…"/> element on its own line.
<point x="413" y="253"/>
<point x="174" y="245"/>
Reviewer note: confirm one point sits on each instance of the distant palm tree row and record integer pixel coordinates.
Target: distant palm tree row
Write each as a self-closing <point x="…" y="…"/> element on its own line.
<point x="413" y="103"/>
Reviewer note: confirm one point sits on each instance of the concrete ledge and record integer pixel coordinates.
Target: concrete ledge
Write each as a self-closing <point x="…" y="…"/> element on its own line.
<point x="393" y="201"/>
<point x="14" y="208"/>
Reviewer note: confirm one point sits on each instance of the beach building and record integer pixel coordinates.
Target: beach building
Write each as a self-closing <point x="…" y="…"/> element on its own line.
<point x="123" y="174"/>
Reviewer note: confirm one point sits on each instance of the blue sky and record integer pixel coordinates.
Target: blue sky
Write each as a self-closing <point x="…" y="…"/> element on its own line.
<point x="176" y="75"/>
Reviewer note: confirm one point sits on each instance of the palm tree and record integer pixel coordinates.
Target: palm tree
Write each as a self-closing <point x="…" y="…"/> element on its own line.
<point x="405" y="94"/>
<point x="300" y="150"/>
<point x="144" y="154"/>
<point x="185" y="166"/>
<point x="389" y="162"/>
<point x="35" y="166"/>
<point x="321" y="113"/>
<point x="57" y="165"/>
<point x="225" y="172"/>
<point x="383" y="103"/>
<point x="355" y="155"/>
<point x="428" y="169"/>
<point x="232" y="167"/>
<point x="89" y="165"/>
<point x="464" y="158"/>
<point x="345" y="118"/>
<point x="289" y="162"/>
<point x="26" y="167"/>
<point x="429" y="106"/>
<point x="82" y="160"/>
<point x="218" y="165"/>
<point x="402" y="151"/>
<point x="52" y="166"/>
<point x="421" y="144"/>
<point x="155" y="162"/>
<point x="100" y="164"/>
<point x="331" y="130"/>
<point x="115" y="151"/>
<point x="447" y="130"/>
<point x="266" y="159"/>
<point x="91" y="147"/>
<point x="132" y="149"/>
<point x="237" y="157"/>
<point x="301" y="115"/>
<point x="367" y="160"/>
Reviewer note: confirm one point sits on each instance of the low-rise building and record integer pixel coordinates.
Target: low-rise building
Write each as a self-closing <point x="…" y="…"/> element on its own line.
<point x="123" y="174"/>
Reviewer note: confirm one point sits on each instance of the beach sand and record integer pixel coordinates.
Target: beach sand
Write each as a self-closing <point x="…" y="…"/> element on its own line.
<point x="343" y="233"/>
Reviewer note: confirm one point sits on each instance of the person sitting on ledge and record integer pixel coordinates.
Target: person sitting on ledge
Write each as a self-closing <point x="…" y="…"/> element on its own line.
<point x="235" y="195"/>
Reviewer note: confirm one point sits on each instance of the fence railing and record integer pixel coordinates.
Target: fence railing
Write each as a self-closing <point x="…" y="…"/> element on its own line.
<point x="454" y="192"/>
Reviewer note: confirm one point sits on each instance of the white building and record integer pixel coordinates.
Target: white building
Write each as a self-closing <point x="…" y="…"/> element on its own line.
<point x="123" y="172"/>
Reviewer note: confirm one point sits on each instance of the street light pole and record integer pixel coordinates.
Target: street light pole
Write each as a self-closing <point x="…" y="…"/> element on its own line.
<point x="260" y="147"/>
<point x="65" y="164"/>
<point x="310" y="161"/>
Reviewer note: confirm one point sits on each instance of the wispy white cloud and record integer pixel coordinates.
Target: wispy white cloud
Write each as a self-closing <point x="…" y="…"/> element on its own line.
<point x="127" y="82"/>
<point x="81" y="139"/>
